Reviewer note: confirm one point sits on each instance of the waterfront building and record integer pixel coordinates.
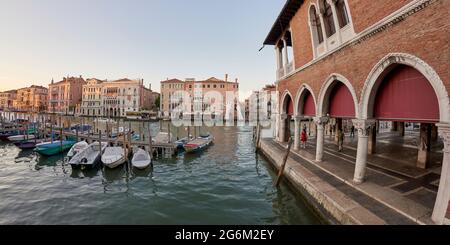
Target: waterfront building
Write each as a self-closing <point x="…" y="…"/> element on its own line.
<point x="64" y="95"/>
<point x="358" y="63"/>
<point x="123" y="96"/>
<point x="198" y="95"/>
<point x="31" y="99"/>
<point x="92" y="101"/>
<point x="7" y="98"/>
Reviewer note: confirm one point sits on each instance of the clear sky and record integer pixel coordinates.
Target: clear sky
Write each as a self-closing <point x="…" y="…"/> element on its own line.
<point x="149" y="39"/>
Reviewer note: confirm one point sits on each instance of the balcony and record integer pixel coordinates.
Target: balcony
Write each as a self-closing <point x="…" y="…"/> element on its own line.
<point x="284" y="71"/>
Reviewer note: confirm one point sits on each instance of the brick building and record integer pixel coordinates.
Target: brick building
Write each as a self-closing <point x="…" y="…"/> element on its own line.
<point x="64" y="96"/>
<point x="363" y="62"/>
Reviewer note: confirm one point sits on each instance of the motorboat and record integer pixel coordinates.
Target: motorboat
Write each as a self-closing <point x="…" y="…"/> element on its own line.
<point x="78" y="147"/>
<point x="141" y="159"/>
<point x="21" y="137"/>
<point x="89" y="157"/>
<point x="53" y="148"/>
<point x="113" y="157"/>
<point x="198" y="144"/>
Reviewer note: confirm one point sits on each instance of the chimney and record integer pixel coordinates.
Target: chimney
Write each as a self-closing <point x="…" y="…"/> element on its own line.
<point x="81" y="76"/>
<point x="236" y="80"/>
<point x="226" y="77"/>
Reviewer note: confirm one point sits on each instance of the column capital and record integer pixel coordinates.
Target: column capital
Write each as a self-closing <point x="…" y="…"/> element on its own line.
<point x="283" y="116"/>
<point x="321" y="121"/>
<point x="364" y="126"/>
<point x="298" y="118"/>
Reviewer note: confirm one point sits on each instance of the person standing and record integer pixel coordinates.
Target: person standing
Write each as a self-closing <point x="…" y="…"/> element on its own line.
<point x="352" y="132"/>
<point x="340" y="140"/>
<point x="304" y="138"/>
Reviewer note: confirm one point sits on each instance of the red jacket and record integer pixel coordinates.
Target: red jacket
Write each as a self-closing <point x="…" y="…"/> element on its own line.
<point x="303" y="137"/>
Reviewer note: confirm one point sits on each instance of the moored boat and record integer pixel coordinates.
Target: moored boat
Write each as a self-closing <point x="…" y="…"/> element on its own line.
<point x="78" y="147"/>
<point x="141" y="159"/>
<point x="50" y="149"/>
<point x="113" y="157"/>
<point x="28" y="145"/>
<point x="198" y="144"/>
<point x="21" y="137"/>
<point x="89" y="157"/>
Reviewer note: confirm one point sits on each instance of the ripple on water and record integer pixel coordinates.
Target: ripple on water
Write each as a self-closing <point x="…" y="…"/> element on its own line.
<point x="227" y="184"/>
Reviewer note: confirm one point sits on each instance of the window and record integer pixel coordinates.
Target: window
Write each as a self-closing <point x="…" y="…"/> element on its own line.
<point x="328" y="19"/>
<point x="342" y="13"/>
<point x="316" y="26"/>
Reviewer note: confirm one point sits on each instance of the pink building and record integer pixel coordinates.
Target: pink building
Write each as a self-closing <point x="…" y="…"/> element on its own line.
<point x="63" y="96"/>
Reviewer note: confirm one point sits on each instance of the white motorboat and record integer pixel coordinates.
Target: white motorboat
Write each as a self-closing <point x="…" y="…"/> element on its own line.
<point x="141" y="159"/>
<point x="90" y="156"/>
<point x="17" y="138"/>
<point x="113" y="157"/>
<point x="78" y="147"/>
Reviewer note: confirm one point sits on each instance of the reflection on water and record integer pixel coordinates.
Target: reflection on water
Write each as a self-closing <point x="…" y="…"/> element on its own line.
<point x="226" y="184"/>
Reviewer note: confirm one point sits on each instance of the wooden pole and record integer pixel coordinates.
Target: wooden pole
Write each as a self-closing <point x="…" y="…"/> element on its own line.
<point x="60" y="132"/>
<point x="283" y="166"/>
<point x="51" y="132"/>
<point x="150" y="139"/>
<point x="168" y="128"/>
<point x="100" y="143"/>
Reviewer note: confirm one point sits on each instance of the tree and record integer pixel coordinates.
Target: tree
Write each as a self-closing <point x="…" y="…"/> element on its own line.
<point x="158" y="102"/>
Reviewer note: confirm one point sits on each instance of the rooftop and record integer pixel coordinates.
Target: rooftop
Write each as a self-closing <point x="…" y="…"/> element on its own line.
<point x="284" y="18"/>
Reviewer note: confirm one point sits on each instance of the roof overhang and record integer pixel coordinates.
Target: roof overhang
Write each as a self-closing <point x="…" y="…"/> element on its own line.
<point x="282" y="23"/>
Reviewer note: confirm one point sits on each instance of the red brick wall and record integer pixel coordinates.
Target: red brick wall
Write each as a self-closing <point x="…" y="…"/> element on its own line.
<point x="366" y="13"/>
<point x="301" y="36"/>
<point x="424" y="34"/>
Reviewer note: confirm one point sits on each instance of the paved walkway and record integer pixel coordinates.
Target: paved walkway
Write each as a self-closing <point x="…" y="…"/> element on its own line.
<point x="395" y="190"/>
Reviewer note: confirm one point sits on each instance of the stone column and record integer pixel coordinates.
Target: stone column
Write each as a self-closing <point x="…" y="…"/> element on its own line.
<point x="443" y="196"/>
<point x="336" y="21"/>
<point x="423" y="158"/>
<point x="285" y="54"/>
<point x="320" y="123"/>
<point x="298" y="129"/>
<point x="364" y="127"/>
<point x="279" y="58"/>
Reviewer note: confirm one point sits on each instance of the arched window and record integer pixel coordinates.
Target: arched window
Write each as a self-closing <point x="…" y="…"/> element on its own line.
<point x="328" y="18"/>
<point x="342" y="13"/>
<point x="316" y="25"/>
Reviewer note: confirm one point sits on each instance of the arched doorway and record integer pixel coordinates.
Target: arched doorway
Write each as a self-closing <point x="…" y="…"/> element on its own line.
<point x="305" y="112"/>
<point x="338" y="103"/>
<point x="404" y="89"/>
<point x="287" y="114"/>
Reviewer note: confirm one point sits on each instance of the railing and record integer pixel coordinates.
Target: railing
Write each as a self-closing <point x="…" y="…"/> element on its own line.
<point x="289" y="68"/>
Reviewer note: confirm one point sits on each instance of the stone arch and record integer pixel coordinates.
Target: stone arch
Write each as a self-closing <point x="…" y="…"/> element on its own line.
<point x="326" y="90"/>
<point x="386" y="65"/>
<point x="284" y="100"/>
<point x="303" y="90"/>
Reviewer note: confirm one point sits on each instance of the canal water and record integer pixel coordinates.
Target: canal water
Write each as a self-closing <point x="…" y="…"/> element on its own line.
<point x="227" y="184"/>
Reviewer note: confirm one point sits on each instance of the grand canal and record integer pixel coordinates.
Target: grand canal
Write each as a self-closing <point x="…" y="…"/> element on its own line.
<point x="227" y="184"/>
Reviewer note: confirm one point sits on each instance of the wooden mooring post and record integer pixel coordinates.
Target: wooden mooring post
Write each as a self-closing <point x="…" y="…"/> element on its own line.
<point x="283" y="165"/>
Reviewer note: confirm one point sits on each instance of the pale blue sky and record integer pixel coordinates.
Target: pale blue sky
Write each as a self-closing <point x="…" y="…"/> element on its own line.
<point x="150" y="39"/>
